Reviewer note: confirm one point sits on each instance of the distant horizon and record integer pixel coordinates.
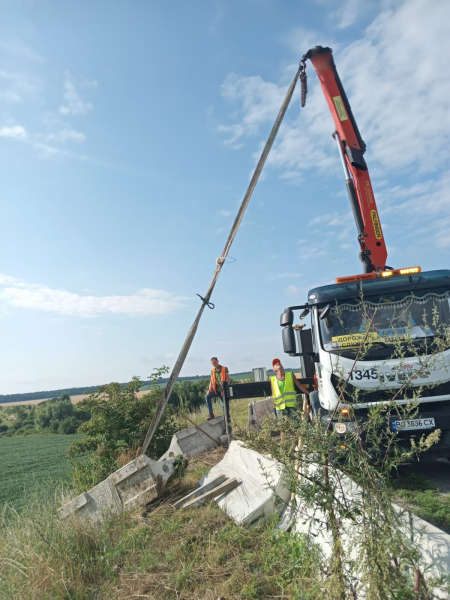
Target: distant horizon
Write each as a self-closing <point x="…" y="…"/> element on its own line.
<point x="3" y="397"/>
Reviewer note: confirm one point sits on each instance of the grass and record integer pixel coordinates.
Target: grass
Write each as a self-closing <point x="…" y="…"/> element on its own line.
<point x="27" y="462"/>
<point x="163" y="554"/>
<point x="238" y="412"/>
<point x="424" y="499"/>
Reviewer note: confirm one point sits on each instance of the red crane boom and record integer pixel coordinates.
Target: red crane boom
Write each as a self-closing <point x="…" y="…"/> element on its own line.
<point x="373" y="253"/>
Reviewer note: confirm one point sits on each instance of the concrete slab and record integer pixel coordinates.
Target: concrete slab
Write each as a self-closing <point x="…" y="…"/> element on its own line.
<point x="191" y="441"/>
<point x="433" y="543"/>
<point x="262" y="490"/>
<point x="259" y="410"/>
<point x="137" y="483"/>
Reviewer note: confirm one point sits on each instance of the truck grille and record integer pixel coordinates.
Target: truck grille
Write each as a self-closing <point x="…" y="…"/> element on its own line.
<point x="380" y="395"/>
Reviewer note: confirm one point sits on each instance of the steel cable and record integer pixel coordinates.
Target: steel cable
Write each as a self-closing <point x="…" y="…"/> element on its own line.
<point x="219" y="264"/>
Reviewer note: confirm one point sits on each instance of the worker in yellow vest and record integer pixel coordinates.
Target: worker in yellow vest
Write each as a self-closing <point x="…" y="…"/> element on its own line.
<point x="284" y="391"/>
<point x="219" y="374"/>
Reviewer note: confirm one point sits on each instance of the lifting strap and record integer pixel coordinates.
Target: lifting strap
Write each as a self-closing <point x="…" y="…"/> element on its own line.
<point x="219" y="264"/>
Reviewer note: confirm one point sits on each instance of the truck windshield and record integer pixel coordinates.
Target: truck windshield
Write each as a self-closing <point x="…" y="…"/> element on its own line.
<point x="384" y="321"/>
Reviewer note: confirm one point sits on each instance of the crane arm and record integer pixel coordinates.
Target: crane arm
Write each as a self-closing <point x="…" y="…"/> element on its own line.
<point x="351" y="146"/>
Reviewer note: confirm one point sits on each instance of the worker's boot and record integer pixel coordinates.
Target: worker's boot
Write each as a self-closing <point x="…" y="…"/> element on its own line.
<point x="210" y="416"/>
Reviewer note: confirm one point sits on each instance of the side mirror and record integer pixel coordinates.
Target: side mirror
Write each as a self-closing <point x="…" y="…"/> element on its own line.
<point x="288" y="338"/>
<point x="326" y="311"/>
<point x="304" y="314"/>
<point x="287" y="318"/>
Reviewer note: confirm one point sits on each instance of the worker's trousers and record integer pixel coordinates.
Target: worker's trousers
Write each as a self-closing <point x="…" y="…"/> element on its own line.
<point x="209" y="398"/>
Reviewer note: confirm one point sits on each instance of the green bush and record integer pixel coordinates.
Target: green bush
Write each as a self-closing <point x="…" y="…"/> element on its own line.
<point x="189" y="395"/>
<point x="119" y="422"/>
<point x="69" y="425"/>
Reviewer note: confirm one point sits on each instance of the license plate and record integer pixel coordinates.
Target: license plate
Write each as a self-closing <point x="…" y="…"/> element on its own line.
<point x="413" y="424"/>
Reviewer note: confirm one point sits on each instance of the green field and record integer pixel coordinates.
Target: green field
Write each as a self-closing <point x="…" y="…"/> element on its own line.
<point x="30" y="462"/>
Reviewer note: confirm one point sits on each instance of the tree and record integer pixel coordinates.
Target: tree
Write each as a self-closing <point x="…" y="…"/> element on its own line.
<point x="69" y="425"/>
<point x="119" y="422"/>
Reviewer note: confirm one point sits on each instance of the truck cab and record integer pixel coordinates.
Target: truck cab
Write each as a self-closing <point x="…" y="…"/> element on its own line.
<point x="381" y="341"/>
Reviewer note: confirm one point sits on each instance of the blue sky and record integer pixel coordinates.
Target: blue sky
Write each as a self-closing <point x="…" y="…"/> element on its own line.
<point x="128" y="134"/>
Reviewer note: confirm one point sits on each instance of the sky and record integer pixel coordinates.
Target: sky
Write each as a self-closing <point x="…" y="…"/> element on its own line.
<point x="128" y="135"/>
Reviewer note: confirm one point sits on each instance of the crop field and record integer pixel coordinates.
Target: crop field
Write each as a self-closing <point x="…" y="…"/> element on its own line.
<point x="30" y="462"/>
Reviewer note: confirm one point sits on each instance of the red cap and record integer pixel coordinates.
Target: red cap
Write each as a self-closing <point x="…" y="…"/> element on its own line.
<point x="276" y="360"/>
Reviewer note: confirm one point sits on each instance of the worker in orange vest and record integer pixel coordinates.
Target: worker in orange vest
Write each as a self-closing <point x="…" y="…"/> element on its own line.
<point x="218" y="375"/>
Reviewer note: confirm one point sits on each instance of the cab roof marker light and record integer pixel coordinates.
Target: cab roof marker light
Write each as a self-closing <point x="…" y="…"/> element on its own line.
<point x="407" y="271"/>
<point x="352" y="278"/>
<point x="410" y="270"/>
<point x="384" y="274"/>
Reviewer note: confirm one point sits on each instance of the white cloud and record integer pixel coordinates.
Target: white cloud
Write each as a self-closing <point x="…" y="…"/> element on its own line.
<point x="331" y="220"/>
<point x="16" y="293"/>
<point x="290" y="275"/>
<point x="260" y="101"/>
<point x="66" y="135"/>
<point x="16" y="132"/>
<point x="307" y="253"/>
<point x="219" y="14"/>
<point x="225" y="213"/>
<point x="349" y="12"/>
<point x="292" y="290"/>
<point x="15" y="86"/>
<point x="17" y="48"/>
<point x="425" y="208"/>
<point x="393" y="78"/>
<point x="74" y="105"/>
<point x="299" y="40"/>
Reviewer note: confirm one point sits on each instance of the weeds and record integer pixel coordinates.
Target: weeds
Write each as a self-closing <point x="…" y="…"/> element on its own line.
<point x="424" y="499"/>
<point x="168" y="555"/>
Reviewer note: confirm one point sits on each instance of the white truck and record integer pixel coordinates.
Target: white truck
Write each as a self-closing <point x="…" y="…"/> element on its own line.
<point x="376" y="337"/>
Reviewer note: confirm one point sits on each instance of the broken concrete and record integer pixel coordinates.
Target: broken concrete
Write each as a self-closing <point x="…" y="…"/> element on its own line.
<point x="135" y="484"/>
<point x="262" y="489"/>
<point x="191" y="441"/>
<point x="434" y="544"/>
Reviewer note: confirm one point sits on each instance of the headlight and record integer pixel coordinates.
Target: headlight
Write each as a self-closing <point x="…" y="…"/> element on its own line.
<point x="340" y="428"/>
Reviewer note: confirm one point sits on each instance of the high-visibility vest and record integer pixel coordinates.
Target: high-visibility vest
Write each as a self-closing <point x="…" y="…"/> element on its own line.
<point x="288" y="399"/>
<point x="223" y="377"/>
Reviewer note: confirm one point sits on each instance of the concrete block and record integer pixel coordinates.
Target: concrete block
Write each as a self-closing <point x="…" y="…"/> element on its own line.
<point x="433" y="543"/>
<point x="137" y="483"/>
<point x="191" y="441"/>
<point x="259" y="410"/>
<point x="262" y="490"/>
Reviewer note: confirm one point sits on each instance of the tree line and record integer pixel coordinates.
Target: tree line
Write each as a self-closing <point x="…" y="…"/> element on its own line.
<point x="57" y="415"/>
<point x="77" y="391"/>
